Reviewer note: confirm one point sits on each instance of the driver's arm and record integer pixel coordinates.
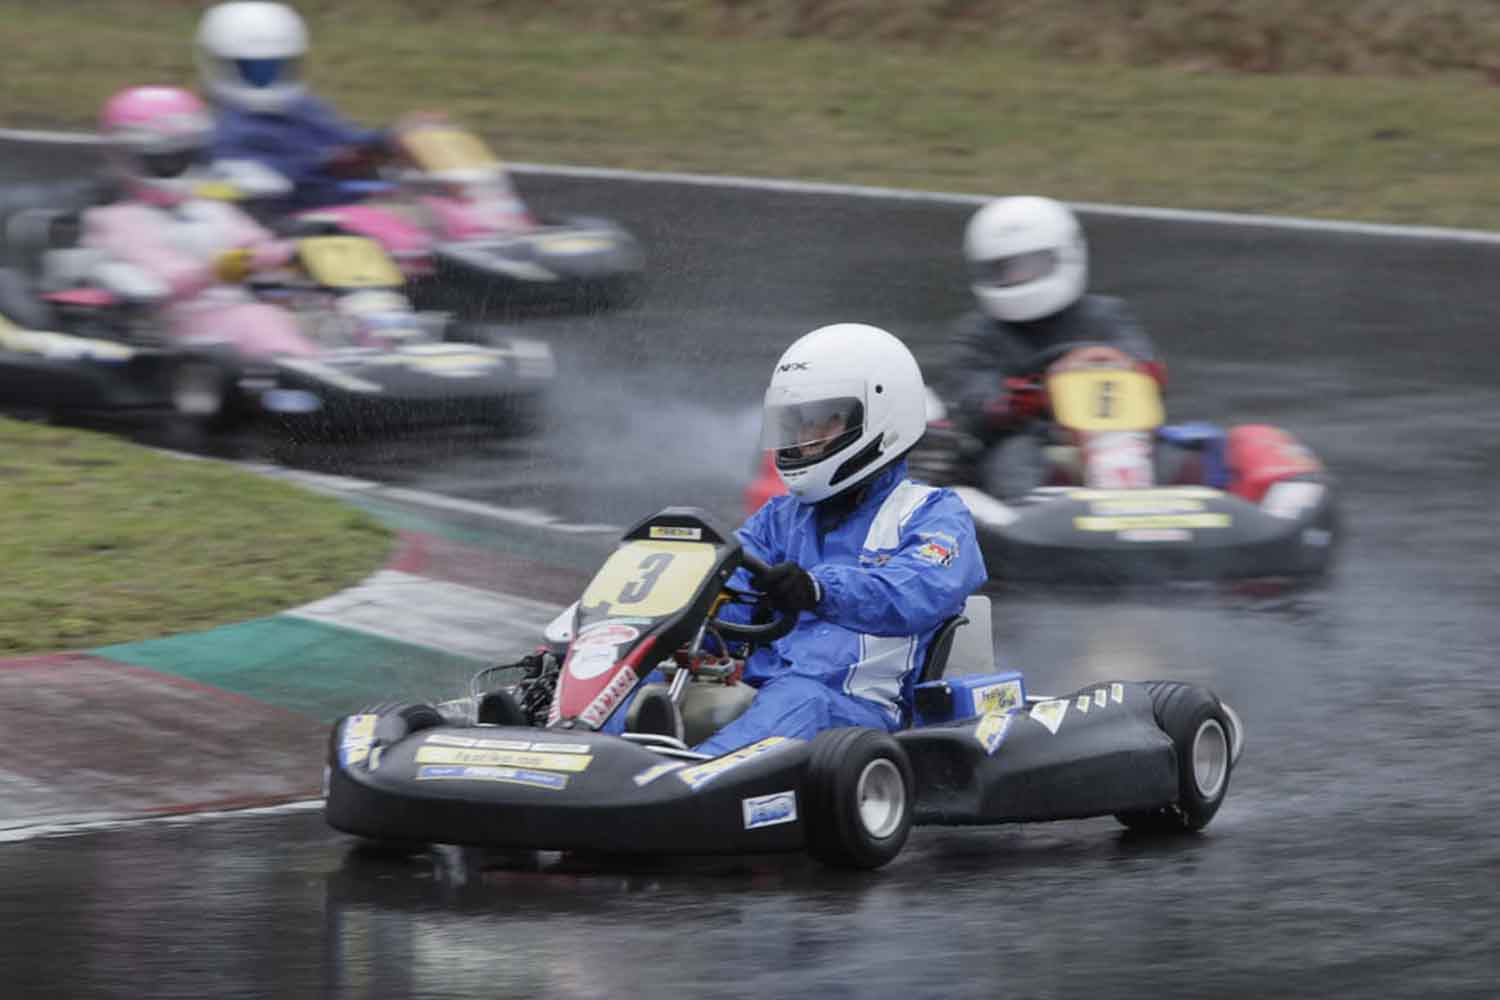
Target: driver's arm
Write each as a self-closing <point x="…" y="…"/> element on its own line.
<point x="760" y="537"/>
<point x="925" y="581"/>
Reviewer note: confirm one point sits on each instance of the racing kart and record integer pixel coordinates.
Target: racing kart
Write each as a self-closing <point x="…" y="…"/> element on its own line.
<point x="1123" y="496"/>
<point x="447" y="213"/>
<point x="328" y="343"/>
<point x="522" y="762"/>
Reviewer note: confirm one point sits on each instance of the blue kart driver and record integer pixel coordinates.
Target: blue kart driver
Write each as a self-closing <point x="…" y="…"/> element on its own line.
<point x="870" y="561"/>
<point x="249" y="58"/>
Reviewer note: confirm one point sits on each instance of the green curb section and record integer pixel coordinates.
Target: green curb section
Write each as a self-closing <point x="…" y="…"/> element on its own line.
<point x="309" y="667"/>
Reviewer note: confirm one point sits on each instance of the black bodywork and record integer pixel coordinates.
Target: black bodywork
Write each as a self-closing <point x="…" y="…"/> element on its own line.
<point x="1040" y="539"/>
<point x="983" y="753"/>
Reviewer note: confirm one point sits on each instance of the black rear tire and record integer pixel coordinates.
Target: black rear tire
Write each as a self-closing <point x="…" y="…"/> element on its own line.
<point x="857" y="798"/>
<point x="1203" y="736"/>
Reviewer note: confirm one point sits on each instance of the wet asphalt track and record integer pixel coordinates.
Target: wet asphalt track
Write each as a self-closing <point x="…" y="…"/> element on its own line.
<point x="1358" y="852"/>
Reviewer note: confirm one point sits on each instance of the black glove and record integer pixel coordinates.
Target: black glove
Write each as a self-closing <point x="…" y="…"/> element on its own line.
<point x="789" y="587"/>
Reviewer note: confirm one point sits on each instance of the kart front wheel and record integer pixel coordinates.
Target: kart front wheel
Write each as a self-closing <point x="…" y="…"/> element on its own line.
<point x="857" y="798"/>
<point x="1203" y="737"/>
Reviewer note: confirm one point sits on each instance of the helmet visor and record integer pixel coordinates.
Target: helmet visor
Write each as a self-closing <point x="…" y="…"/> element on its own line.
<point x="1004" y="272"/>
<point x="804" y="424"/>
<point x="261" y="73"/>
<point x="171" y="164"/>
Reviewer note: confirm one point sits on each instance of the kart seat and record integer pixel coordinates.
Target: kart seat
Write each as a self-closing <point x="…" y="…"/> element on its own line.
<point x="970" y="647"/>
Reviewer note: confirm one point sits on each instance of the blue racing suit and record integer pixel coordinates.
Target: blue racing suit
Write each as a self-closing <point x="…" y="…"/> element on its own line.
<point x="297" y="142"/>
<point x="889" y="572"/>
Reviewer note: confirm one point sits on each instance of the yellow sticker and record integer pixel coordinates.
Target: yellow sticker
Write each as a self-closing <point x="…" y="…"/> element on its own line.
<point x="1050" y="713"/>
<point x="676" y="531"/>
<point x="1101" y="697"/>
<point x="1082" y="704"/>
<point x="1148" y="521"/>
<point x="459" y="363"/>
<point x="439" y="149"/>
<point x="650" y="579"/>
<point x="997" y="697"/>
<point x="503" y="758"/>
<point x="1106" y="399"/>
<point x="61" y="346"/>
<point x="991" y="730"/>
<point x="359" y="725"/>
<point x="1117" y="692"/>
<point x="569" y="245"/>
<point x="348" y="262"/>
<point x="697" y="777"/>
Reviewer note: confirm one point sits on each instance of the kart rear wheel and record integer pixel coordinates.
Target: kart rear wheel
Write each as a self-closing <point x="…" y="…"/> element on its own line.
<point x="857" y="798"/>
<point x="1202" y="734"/>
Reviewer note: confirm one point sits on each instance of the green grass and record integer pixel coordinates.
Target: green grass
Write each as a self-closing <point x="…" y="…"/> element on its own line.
<point x="105" y="542"/>
<point x="750" y="88"/>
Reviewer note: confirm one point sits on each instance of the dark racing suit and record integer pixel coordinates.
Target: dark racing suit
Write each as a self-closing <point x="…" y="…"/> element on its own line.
<point x="299" y="142"/>
<point x="984" y="352"/>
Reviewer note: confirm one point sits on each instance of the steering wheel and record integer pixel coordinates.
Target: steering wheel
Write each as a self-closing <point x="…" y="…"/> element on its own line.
<point x="778" y="626"/>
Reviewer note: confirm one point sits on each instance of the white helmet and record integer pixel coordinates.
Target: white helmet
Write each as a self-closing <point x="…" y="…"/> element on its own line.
<point x="250" y="54"/>
<point x="844" y="402"/>
<point x="1027" y="258"/>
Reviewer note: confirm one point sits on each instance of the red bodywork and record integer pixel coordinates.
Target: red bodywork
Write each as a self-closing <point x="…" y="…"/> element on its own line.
<point x="1260" y="455"/>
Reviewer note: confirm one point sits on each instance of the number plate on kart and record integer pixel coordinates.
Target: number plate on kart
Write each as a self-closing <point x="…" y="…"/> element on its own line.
<point x="650" y="579"/>
<point x="439" y="149"/>
<point x="348" y="262"/>
<point x="1105" y="399"/>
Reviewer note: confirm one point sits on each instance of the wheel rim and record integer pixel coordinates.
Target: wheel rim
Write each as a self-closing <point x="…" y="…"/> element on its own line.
<point x="881" y="797"/>
<point x="1210" y="759"/>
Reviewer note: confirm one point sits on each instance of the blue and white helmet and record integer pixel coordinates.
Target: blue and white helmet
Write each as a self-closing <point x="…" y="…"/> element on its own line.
<point x="250" y="54"/>
<point x="844" y="402"/>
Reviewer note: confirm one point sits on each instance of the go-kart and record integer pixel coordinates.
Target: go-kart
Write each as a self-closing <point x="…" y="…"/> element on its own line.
<point x="522" y="764"/>
<point x="1122" y="496"/>
<point x="448" y="214"/>
<point x="327" y="343"/>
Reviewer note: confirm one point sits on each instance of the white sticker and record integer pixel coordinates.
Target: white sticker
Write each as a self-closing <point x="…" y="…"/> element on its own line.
<point x="590" y="661"/>
<point x="1101" y="697"/>
<point x="1289" y="499"/>
<point x="1117" y="692"/>
<point x="1155" y="535"/>
<point x="1050" y="713"/>
<point x="1082" y="704"/>
<point x="655" y="771"/>
<point x="606" y="634"/>
<point x="770" y="810"/>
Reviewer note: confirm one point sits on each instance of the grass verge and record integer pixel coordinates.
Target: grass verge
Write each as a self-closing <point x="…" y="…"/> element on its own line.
<point x="104" y="542"/>
<point x="993" y="118"/>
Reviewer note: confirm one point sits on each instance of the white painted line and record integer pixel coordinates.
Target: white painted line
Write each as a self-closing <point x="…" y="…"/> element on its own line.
<point x="95" y="823"/>
<point x="42" y="135"/>
<point x="958" y="198"/>
<point x="434" y="614"/>
<point x="515" y="515"/>
<point x="941" y="197"/>
<point x="343" y="486"/>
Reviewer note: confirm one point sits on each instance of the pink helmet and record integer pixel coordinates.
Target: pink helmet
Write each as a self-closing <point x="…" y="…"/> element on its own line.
<point x="155" y="135"/>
